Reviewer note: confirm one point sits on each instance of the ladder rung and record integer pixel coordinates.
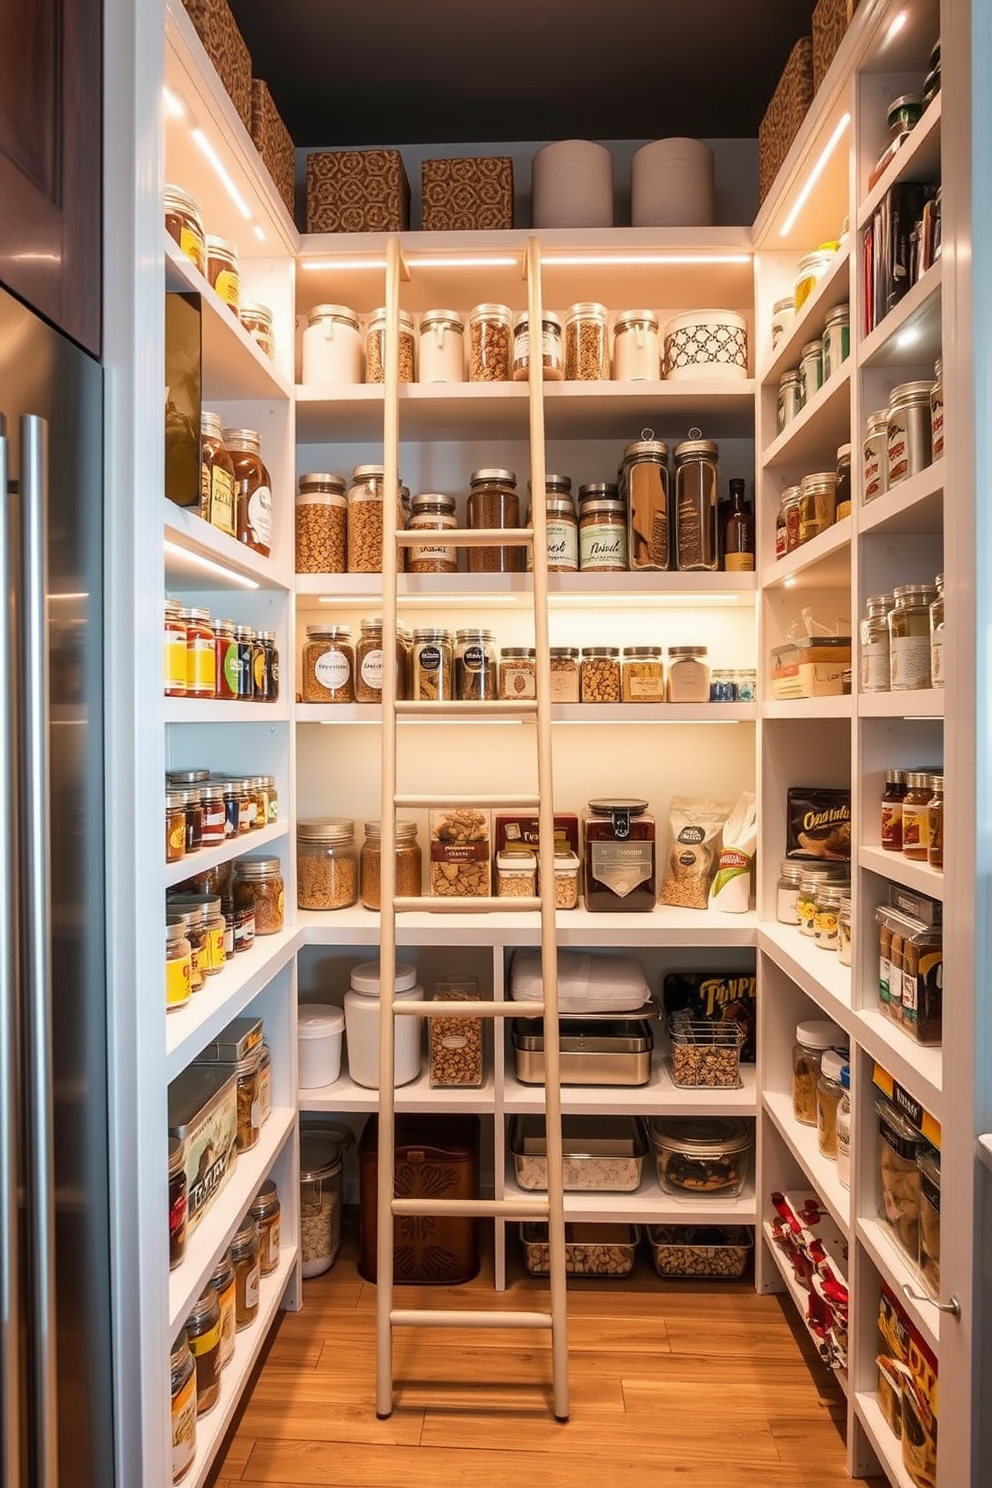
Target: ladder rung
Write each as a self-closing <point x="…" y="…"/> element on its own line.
<point x="500" y="803"/>
<point x="419" y="1317"/>
<point x="471" y="1009"/>
<point x="441" y="904"/>
<point x="465" y="537"/>
<point x="488" y="708"/>
<point x="516" y="1208"/>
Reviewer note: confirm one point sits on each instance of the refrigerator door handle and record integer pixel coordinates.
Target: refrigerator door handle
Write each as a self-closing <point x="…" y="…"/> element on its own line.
<point x="37" y="968"/>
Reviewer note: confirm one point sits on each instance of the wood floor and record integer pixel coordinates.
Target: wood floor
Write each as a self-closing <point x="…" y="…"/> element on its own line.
<point x="707" y="1386"/>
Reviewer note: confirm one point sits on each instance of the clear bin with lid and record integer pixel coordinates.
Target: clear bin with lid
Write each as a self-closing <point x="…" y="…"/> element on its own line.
<point x="490" y="343"/>
<point x="587" y="342"/>
<point x="899" y="1147"/>
<point x="361" y="1014"/>
<point x="322" y="523"/>
<point x="701" y="1155"/>
<point x="323" y="1145"/>
<point x="326" y="863"/>
<point x="332" y="346"/>
<point x="813" y="1037"/>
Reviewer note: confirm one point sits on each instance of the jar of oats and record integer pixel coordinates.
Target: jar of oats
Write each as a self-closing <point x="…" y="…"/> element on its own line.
<point x="328" y="665"/>
<point x="408" y="862"/>
<point x="587" y="342"/>
<point x="326" y="863"/>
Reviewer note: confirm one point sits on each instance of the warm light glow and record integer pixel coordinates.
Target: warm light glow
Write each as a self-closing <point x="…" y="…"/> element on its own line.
<point x="174" y="104"/>
<point x="602" y="601"/>
<point x="789" y="583"/>
<point x="814" y="175"/>
<point x="222" y="173"/>
<point x="581" y="260"/>
<point x="189" y="556"/>
<point x="908" y="337"/>
<point x="319" y="265"/>
<point x="259" y="231"/>
<point x="463" y="261"/>
<point x="896" y="26"/>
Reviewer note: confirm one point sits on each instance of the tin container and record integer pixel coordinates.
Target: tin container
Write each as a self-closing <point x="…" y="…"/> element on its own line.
<point x="790" y="398"/>
<point x="875" y="454"/>
<point x="810" y="371"/>
<point x="594" y="1050"/>
<point x="836" y="343"/>
<point x="203" y="1112"/>
<point x="908" y="431"/>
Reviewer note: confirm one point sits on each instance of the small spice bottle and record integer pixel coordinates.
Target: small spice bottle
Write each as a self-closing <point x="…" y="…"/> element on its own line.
<point x="891" y="816"/>
<point x="825" y="927"/>
<point x="174" y="650"/>
<point x="264" y="1082"/>
<point x="223" y="1282"/>
<point x="184" y="224"/>
<point x="552" y="356"/>
<point x="828" y="1096"/>
<point x="564" y="674"/>
<point x="909" y="637"/>
<point x="326" y="863"/>
<point x="322" y="523"/>
<point x="223" y="274"/>
<point x="600" y="678"/>
<point x="407" y="856"/>
<point x="490" y="334"/>
<point x="264" y="874"/>
<point x="844" y="931"/>
<point x="375" y="347"/>
<point x="249" y="1121"/>
<point x="244" y="1259"/>
<point x="916" y="816"/>
<point x="643" y="677"/>
<point x="937" y="635"/>
<point x="217" y="502"/>
<point x="442" y="346"/>
<point x="433" y="665"/>
<point x="183" y="1373"/>
<point x="517" y="673"/>
<point x="196" y="935"/>
<point x="602" y="537"/>
<point x="368" y="662"/>
<point x="935" y="822"/>
<point x="256" y="319"/>
<point x="265" y="1211"/>
<point x="476" y="677"/>
<point x="619" y="856"/>
<point x="201" y="657"/>
<point x="252" y="489"/>
<point x="328" y="665"/>
<point x="175" y="826"/>
<point x="203" y="1335"/>
<point x="844" y="1127"/>
<point x="688" y="675"/>
<point x="813" y="1037"/>
<point x="432" y="512"/>
<point x="875" y="454"/>
<point x="587" y="342"/>
<point x="178" y="1200"/>
<point x="786" y="891"/>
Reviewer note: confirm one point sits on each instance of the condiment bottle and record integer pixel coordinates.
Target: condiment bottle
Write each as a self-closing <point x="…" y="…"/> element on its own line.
<point x="935" y="822"/>
<point x="217" y="501"/>
<point x="738" y="532"/>
<point x="892" y="799"/>
<point x="252" y="488"/>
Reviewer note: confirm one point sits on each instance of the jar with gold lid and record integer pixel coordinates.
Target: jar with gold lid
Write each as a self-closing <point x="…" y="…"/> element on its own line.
<point x="223" y="274"/>
<point x="184" y="224"/>
<point x="817" y="504"/>
<point x="264" y="874"/>
<point x="252" y="488"/>
<point x="256" y="319"/>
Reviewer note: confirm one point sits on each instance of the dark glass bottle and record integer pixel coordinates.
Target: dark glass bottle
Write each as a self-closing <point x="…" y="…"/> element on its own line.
<point x="738" y="532"/>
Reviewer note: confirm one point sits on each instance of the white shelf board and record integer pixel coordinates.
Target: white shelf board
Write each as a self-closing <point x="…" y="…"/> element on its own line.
<point x="225" y="996"/>
<point x="812" y="437"/>
<point x="659" y="1097"/>
<point x="185" y="529"/>
<point x="985" y="1151"/>
<point x="655" y="713"/>
<point x="803" y="1143"/>
<point x="216" y="1229"/>
<point x="833" y="289"/>
<point x="215" y="710"/>
<point x="233" y="365"/>
<point x="418" y="1095"/>
<point x="212" y="1428"/>
<point x="918" y="1068"/>
<point x="649" y="1205"/>
<point x="896" y="1270"/>
<point x="922" y="703"/>
<point x="823" y="707"/>
<point x="916" y="317"/>
<point x="643" y="590"/>
<point x="819" y="973"/>
<point x="608" y="410"/>
<point x="233" y="847"/>
<point x="914" y="505"/>
<point x="798" y="1294"/>
<point x="917" y="160"/>
<point x="822" y="563"/>
<point x="919" y="877"/>
<point x="886" y="1446"/>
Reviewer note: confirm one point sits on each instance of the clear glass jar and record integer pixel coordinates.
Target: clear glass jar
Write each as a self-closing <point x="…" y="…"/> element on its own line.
<point x="433" y="665"/>
<point x="836" y="345"/>
<point x="790" y="513"/>
<point x="783" y="319"/>
<point x="442" y="346"/>
<point x="937" y="635"/>
<point x="369" y="661"/>
<point x="493" y="502"/>
<point x="697" y="476"/>
<point x="476" y="671"/>
<point x="564" y="674"/>
<point x="223" y="274"/>
<point x="891" y="815"/>
<point x="843" y="490"/>
<point x="552" y="355"/>
<point x="328" y="665"/>
<point x="826" y="931"/>
<point x="332" y="346"/>
<point x="916" y="816"/>
<point x="432" y="512"/>
<point x="183" y="1407"/>
<point x="203" y="1336"/>
<point x="322" y="524"/>
<point x="562" y="535"/>
<point x="184" y="224"/>
<point x="788" y="404"/>
<point x="811" y="268"/>
<point x="407" y="857"/>
<point x="252" y="490"/>
<point x="810" y="371"/>
<point x="264" y="874"/>
<point x="786" y="892"/>
<point x="747" y="684"/>
<point x="937" y="412"/>
<point x="244" y="1259"/>
<point x="636" y="347"/>
<point x="688" y="675"/>
<point x="723" y="685"/>
<point x="813" y="1037"/>
<point x="643" y="678"/>
<point x="928" y="1162"/>
<point x="321" y="1166"/>
<point x="227" y="660"/>
<point x="178" y="1201"/>
<point x="844" y="930"/>
<point x="193" y="816"/>
<point x="875" y="454"/>
<point x="587" y="342"/>
<point x="264" y="1082"/>
<point x="935" y="820"/>
<point x="375" y="347"/>
<point x="817" y="504"/>
<point x="602" y="537"/>
<point x="490" y="336"/>
<point x="365" y="511"/>
<point x="599" y="679"/>
<point x="217" y="500"/>
<point x="517" y="673"/>
<point x="265" y="1211"/>
<point x="174" y="650"/>
<point x="175" y="826"/>
<point x="256" y="319"/>
<point x="844" y="1126"/>
<point x="326" y="863"/>
<point x="212" y="954"/>
<point x="201" y="654"/>
<point x="249" y="1120"/>
<point x="223" y="1282"/>
<point x="619" y="856"/>
<point x="873" y="634"/>
<point x="909" y="637"/>
<point x="828" y="1096"/>
<point x="645" y="482"/>
<point x="812" y="876"/>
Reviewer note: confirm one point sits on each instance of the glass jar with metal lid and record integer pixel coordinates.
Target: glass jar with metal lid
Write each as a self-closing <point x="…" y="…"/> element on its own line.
<point x="322" y="523"/>
<point x="174" y="650"/>
<point x="587" y="342"/>
<point x="643" y="679"/>
<point x="212" y="920"/>
<point x="375" y="346"/>
<point x="178" y="1201"/>
<point x="599" y="675"/>
<point x="811" y="268"/>
<point x="369" y="661"/>
<point x="817" y="503"/>
<point x="873" y="634"/>
<point x="783" y="318"/>
<point x="265" y="1211"/>
<point x="935" y="819"/>
<point x="517" y="673"/>
<point x="193" y="810"/>
<point x="937" y="635"/>
<point x="249" y="1117"/>
<point x="256" y="319"/>
<point x="787" y="892"/>
<point x="184" y="224"/>
<point x="175" y="826"/>
<point x="564" y="674"/>
<point x="203" y="1336"/>
<point x="844" y="930"/>
<point x="826" y="912"/>
<point x="407" y="856"/>
<point x="365" y="519"/>
<point x="781" y="524"/>
<point x="326" y="863"/>
<point x="223" y="1282"/>
<point x="644" y="477"/>
<point x="891" y="810"/>
<point x="602" y="536"/>
<point x="322" y="1148"/>
<point x="442" y="346"/>
<point x="332" y="345"/>
<point x="688" y="675"/>
<point x="697" y="476"/>
<point x="244" y="1259"/>
<point x="252" y="490"/>
<point x="908" y="431"/>
<point x="432" y="512"/>
<point x="265" y="876"/>
<point x="265" y="666"/>
<point x="836" y="345"/>
<point x="813" y="875"/>
<point x="937" y="411"/>
<point x="217" y="502"/>
<point x="843" y="493"/>
<point x="552" y="358"/>
<point x="183" y="1409"/>
<point x="909" y="636"/>
<point x="493" y="502"/>
<point x="813" y="1037"/>
<point x="433" y="665"/>
<point x="619" y="837"/>
<point x="788" y="404"/>
<point x="223" y="274"/>
<point x="476" y="672"/>
<point x="490" y="335"/>
<point x="810" y="371"/>
<point x="201" y="657"/>
<point x="328" y="665"/>
<point x="876" y="454"/>
<point x="636" y="347"/>
<point x="792" y="517"/>
<point x="916" y="815"/>
<point x="562" y="529"/>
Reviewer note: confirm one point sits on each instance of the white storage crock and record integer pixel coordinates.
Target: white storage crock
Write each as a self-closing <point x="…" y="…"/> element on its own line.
<point x="572" y="185"/>
<point x="442" y="347"/>
<point x="703" y="344"/>
<point x="319" y="1035"/>
<point x="671" y="184"/>
<point x="361" y="1016"/>
<point x="332" y="345"/>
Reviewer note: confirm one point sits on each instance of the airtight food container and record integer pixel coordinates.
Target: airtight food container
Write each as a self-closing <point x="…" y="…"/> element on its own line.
<point x="590" y="1249"/>
<point x="710" y="1251"/>
<point x="701" y="1155"/>
<point x="594" y="1051"/>
<point x="599" y="1153"/>
<point x="320" y="1035"/>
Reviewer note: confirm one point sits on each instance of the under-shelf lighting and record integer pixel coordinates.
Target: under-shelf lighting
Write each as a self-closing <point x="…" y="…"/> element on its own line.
<point x="815" y="175"/>
<point x="789" y="583"/>
<point x="581" y="260"/>
<point x="259" y="231"/>
<point x="463" y="261"/>
<point x="897" y="24"/>
<point x="222" y="172"/>
<point x="320" y="265"/>
<point x="189" y="556"/>
<point x="174" y="104"/>
<point x="908" y="337"/>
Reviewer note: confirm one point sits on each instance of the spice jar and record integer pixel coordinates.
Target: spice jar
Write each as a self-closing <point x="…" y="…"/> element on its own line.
<point x="223" y="274"/>
<point x="876" y="456"/>
<point x="265" y="669"/>
<point x="213" y="955"/>
<point x="813" y="1037"/>
<point x="244" y="1259"/>
<point x="242" y="911"/>
<point x="564" y="674"/>
<point x="828" y="1095"/>
<point x="326" y="863"/>
<point x="688" y="675"/>
<point x="619" y="856"/>
<point x="786" y="892"/>
<point x="643" y="675"/>
<point x="184" y="224"/>
<point x="696" y="496"/>
<point x="433" y="665"/>
<point x="892" y="803"/>
<point x="723" y="685"/>
<point x="937" y="412"/>
<point x="493" y="502"/>
<point x="843" y="1127"/>
<point x="175" y="826"/>
<point x="249" y="1119"/>
<point x="178" y="963"/>
<point x="937" y="635"/>
<point x="264" y="1082"/>
<point x="203" y="1336"/>
<point x="490" y="332"/>
<point x="826" y="913"/>
<point x="321" y="1164"/>
<point x="645" y="480"/>
<point x="636" y="349"/>
<point x="476" y="678"/>
<point x="432" y="512"/>
<point x="245" y="669"/>
<point x="375" y="347"/>
<point x="562" y="529"/>
<point x="365" y="519"/>
<point x="322" y="524"/>
<point x="935" y="823"/>
<point x="908" y="431"/>
<point x="836" y="344"/>
<point x="252" y="490"/>
<point x="788" y="404"/>
<point x="873" y="634"/>
<point x="791" y="510"/>
<point x="328" y="665"/>
<point x="174" y="650"/>
<point x="332" y="346"/>
<point x="442" y="346"/>
<point x="517" y="673"/>
<point x="264" y="874"/>
<point x="909" y="637"/>
<point x="810" y="880"/>
<point x="183" y="1408"/>
<point x="844" y="931"/>
<point x="843" y="490"/>
<point x="552" y="358"/>
<point x="810" y="371"/>
<point x="178" y="1200"/>
<point x="197" y="948"/>
<point x="265" y="1211"/>
<point x="368" y="662"/>
<point x="455" y="1054"/>
<point x="599" y="678"/>
<point x="817" y="504"/>
<point x="406" y="856"/>
<point x="217" y="500"/>
<point x="587" y="352"/>
<point x="224" y="1284"/>
<point x="256" y="320"/>
<point x="916" y="816"/>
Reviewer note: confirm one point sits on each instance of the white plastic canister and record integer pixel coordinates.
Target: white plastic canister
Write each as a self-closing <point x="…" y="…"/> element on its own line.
<point x="332" y="345"/>
<point x="671" y="184"/>
<point x="572" y="185"/>
<point x="319" y="1035"/>
<point x="361" y="1015"/>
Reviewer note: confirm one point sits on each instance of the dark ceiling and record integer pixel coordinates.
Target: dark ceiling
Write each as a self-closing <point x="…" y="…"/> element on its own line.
<point x="399" y="72"/>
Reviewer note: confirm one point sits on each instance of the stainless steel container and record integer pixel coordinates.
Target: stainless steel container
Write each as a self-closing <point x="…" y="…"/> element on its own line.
<point x="602" y="1154"/>
<point x="594" y="1051"/>
<point x="909" y="431"/>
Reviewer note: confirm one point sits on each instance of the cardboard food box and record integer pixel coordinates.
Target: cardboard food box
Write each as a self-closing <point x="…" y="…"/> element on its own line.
<point x="225" y="46"/>
<point x="831" y="19"/>
<point x="203" y="1112"/>
<point x="470" y="194"/>
<point x="274" y="143"/>
<point x="357" y="191"/>
<point x="812" y="666"/>
<point x="459" y="853"/>
<point x="785" y="113"/>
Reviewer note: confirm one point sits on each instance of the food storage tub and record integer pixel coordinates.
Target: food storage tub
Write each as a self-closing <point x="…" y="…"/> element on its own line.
<point x="319" y="1036"/>
<point x="594" y="1051"/>
<point x="323" y="1144"/>
<point x="701" y="1154"/>
<point x="604" y="1153"/>
<point x="590" y="1249"/>
<point x="705" y="1054"/>
<point x="899" y="1145"/>
<point x="700" y="1250"/>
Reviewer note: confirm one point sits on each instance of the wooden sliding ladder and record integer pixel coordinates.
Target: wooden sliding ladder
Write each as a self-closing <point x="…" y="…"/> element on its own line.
<point x="549" y="1207"/>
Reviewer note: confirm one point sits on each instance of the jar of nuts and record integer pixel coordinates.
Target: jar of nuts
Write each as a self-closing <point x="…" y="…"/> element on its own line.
<point x="322" y="524"/>
<point x="432" y="512"/>
<point x="600" y="674"/>
<point x="490" y="331"/>
<point x="587" y="350"/>
<point x="328" y="665"/>
<point x="326" y="863"/>
<point x="564" y="674"/>
<point x="375" y="347"/>
<point x="408" y="862"/>
<point x="455" y="1044"/>
<point x="493" y="502"/>
<point x="433" y="666"/>
<point x="475" y="666"/>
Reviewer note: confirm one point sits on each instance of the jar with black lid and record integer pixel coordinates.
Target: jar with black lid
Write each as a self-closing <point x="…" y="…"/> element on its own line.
<point x="598" y="491"/>
<point x="178" y="1200"/>
<point x="619" y="856"/>
<point x="252" y="488"/>
<point x="217" y="501"/>
<point x="203" y="1334"/>
<point x="493" y="502"/>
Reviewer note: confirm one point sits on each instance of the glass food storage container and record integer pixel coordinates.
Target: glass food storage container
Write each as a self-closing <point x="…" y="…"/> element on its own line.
<point x="244" y="1259"/>
<point x="810" y="371"/>
<point x="256" y="319"/>
<point x="909" y="637"/>
<point x="265" y="1211"/>
<point x="455" y="1049"/>
<point x="928" y="1162"/>
<point x="587" y="349"/>
<point x="476" y="672"/>
<point x="252" y="489"/>
<point x="708" y="1251"/>
<point x="935" y="847"/>
<point x="203" y="1336"/>
<point x="183" y="1407"/>
<point x="645" y="482"/>
<point x="688" y="675"/>
<point x="375" y="347"/>
<point x="811" y="268"/>
<point x="827" y="912"/>
<point x="223" y="1281"/>
<point x="432" y="512"/>
<point x="937" y="412"/>
<point x="490" y="338"/>
<point x="590" y="1249"/>
<point x="323" y="1145"/>
<point x="517" y="672"/>
<point x="899" y="1146"/>
<point x="217" y="502"/>
<point x="619" y="856"/>
<point x="433" y="665"/>
<point x="787" y="892"/>
<point x="564" y="674"/>
<point x="602" y="536"/>
<point x="407" y="856"/>
<point x="643" y="679"/>
<point x="813" y="1037"/>
<point x="328" y="665"/>
<point x="184" y="224"/>
<point x="322" y="524"/>
<point x="698" y="1155"/>
<point x="442" y="346"/>
<point x="326" y="863"/>
<point x="562" y="528"/>
<point x="366" y="495"/>
<point x="817" y="504"/>
<point x="264" y="874"/>
<point x="844" y="1127"/>
<point x="600" y="1154"/>
<point x="223" y="274"/>
<point x="566" y="880"/>
<point x="368" y="661"/>
<point x="916" y="815"/>
<point x="813" y="876"/>
<point x="873" y="634"/>
<point x="552" y="353"/>
<point x="844" y="931"/>
<point x="636" y="347"/>
<point x="332" y="345"/>
<point x="516" y="873"/>
<point x="493" y="502"/>
<point x="600" y="676"/>
<point x="697" y="475"/>
<point x="836" y="346"/>
<point x="789" y="402"/>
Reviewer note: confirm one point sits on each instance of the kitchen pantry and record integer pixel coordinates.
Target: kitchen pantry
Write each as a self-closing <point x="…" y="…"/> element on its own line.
<point x="742" y="441"/>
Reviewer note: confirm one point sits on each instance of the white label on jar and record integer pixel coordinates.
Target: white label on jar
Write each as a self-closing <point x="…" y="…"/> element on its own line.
<point x="260" y="514"/>
<point x="601" y="546"/>
<point x="372" y="670"/>
<point x="646" y="687"/>
<point x="473" y="658"/>
<point x="937" y="658"/>
<point x="430" y="554"/>
<point x="255" y="1118"/>
<point x="875" y="674"/>
<point x="550" y="346"/>
<point x="454" y="1041"/>
<point x="785" y="907"/>
<point x="563" y="548"/>
<point x="332" y="669"/>
<point x="518" y="681"/>
<point x="909" y="662"/>
<point x="251" y="1288"/>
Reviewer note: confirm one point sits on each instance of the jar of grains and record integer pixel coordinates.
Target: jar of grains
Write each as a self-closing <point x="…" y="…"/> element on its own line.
<point x="455" y="1049"/>
<point x="368" y="661"/>
<point x="328" y="665"/>
<point x="252" y="490"/>
<point x="223" y="1282"/>
<point x="433" y="665"/>
<point x="517" y="672"/>
<point x="602" y="536"/>
<point x="332" y="345"/>
<point x="432" y="512"/>
<point x="599" y="680"/>
<point x="249" y="1117"/>
<point x="322" y="1149"/>
<point x="564" y="674"/>
<point x="937" y="635"/>
<point x="493" y="502"/>
<point x="183" y="1373"/>
<point x="256" y="319"/>
<point x="265" y="1211"/>
<point x="216" y="475"/>
<point x="184" y="224"/>
<point x="322" y="524"/>
<point x="203" y="1334"/>
<point x="812" y="1037"/>
<point x="365" y="499"/>
<point x="407" y="856"/>
<point x="490" y="333"/>
<point x="587" y="342"/>
<point x="476" y="675"/>
<point x="909" y="637"/>
<point x="223" y="274"/>
<point x="876" y="467"/>
<point x="643" y="675"/>
<point x="873" y="635"/>
<point x="516" y="872"/>
<point x="442" y="346"/>
<point x="636" y="352"/>
<point x="326" y="863"/>
<point x="244" y="1259"/>
<point x="264" y="874"/>
<point x="375" y="347"/>
<point x="552" y="358"/>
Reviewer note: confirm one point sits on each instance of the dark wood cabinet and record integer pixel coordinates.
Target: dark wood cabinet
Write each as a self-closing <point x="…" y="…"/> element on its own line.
<point x="51" y="55"/>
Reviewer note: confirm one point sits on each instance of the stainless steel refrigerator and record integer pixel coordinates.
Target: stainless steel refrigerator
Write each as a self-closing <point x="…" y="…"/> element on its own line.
<point x="56" y="1364"/>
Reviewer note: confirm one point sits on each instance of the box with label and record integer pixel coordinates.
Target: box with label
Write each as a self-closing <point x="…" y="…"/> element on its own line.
<point x="460" y="853"/>
<point x="471" y="194"/>
<point x="203" y="1113"/>
<point x="225" y="46"/>
<point x="785" y="113"/>
<point x="812" y="666"/>
<point x="273" y="142"/>
<point x="357" y="191"/>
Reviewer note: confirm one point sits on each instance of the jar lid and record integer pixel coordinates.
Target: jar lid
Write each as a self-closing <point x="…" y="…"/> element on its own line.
<point x="203" y="1309"/>
<point x="431" y="635"/>
<point x="257" y="866"/>
<point x="895" y="777"/>
<point x="255" y="310"/>
<point x="840" y="314"/>
<point x="649" y="651"/>
<point x="565" y="859"/>
<point x="788" y="378"/>
<point x="243" y="439"/>
<point x="211" y="424"/>
<point x="554" y="483"/>
<point x="586" y="309"/>
<point x="613" y="508"/>
<point x="191" y="797"/>
<point x="555" y="506"/>
<point x="406" y="830"/>
<point x="175" y="928"/>
<point x="600" y="651"/>
<point x="517" y="653"/>
<point x="224" y="245"/>
<point x="378" y="319"/>
<point x="327" y="830"/>
<point x="315" y="480"/>
<point x="564" y="653"/>
<point x="646" y="449"/>
<point x="371" y="623"/>
<point x="687" y="651"/>
<point x="877" y="420"/>
<point x="788" y="303"/>
<point x="597" y="491"/>
<point x="938" y="368"/>
<point x="366" y="977"/>
<point x="909" y="392"/>
<point x="246" y="1234"/>
<point x="879" y="601"/>
<point x="817" y="259"/>
<point x="626" y="318"/>
<point x="442" y="317"/>
<point x="831" y="891"/>
<point x="906" y="101"/>
<point x="606" y="805"/>
<point x="223" y="1271"/>
<point x="812" y="348"/>
<point x="177" y="1155"/>
<point x="367" y="472"/>
<point x="937" y="783"/>
<point x="175" y="800"/>
<point x="691" y="449"/>
<point x="316" y="1019"/>
<point x="490" y="311"/>
<point x="914" y="593"/>
<point x="178" y="196"/>
<point x="791" y="870"/>
<point x="918" y="779"/>
<point x="322" y="1151"/>
<point x="332" y="312"/>
<point x="486" y="477"/>
<point x="426" y="500"/>
<point x="209" y="903"/>
<point x="832" y="1063"/>
<point x="325" y="632"/>
<point x="820" y="1033"/>
<point x="700" y="1136"/>
<point x="815" y="874"/>
<point x="517" y="860"/>
<point x="474" y="636"/>
<point x="249" y="1063"/>
<point x="265" y="1200"/>
<point x="939" y="581"/>
<point x="843" y="453"/>
<point x="819" y="480"/>
<point x="193" y="612"/>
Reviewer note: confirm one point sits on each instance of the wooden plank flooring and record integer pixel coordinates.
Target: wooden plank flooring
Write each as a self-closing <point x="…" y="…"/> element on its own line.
<point x="705" y="1386"/>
